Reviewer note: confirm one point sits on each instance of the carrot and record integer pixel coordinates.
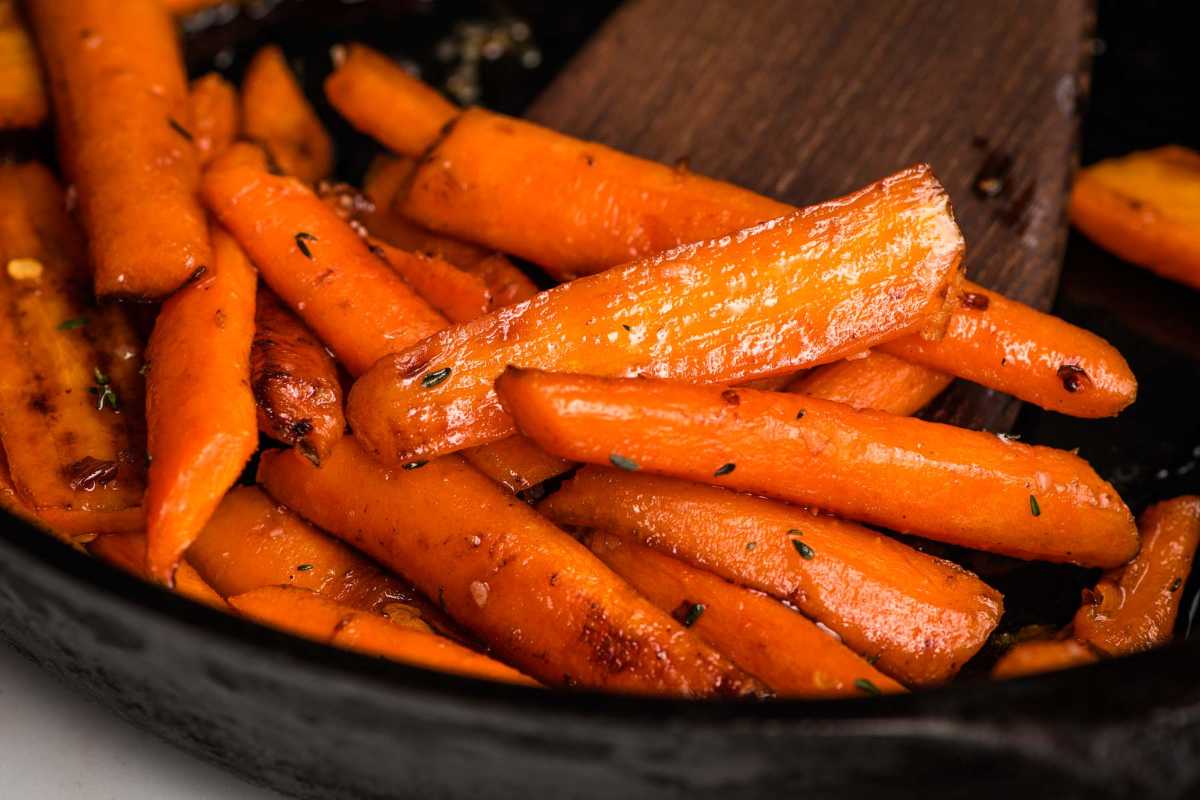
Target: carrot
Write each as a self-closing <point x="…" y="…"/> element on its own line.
<point x="70" y="388"/>
<point x="1047" y="655"/>
<point x="794" y="292"/>
<point x="303" y="613"/>
<point x="278" y="116"/>
<point x="516" y="463"/>
<point x="216" y="119"/>
<point x="199" y="406"/>
<point x="953" y="485"/>
<point x="379" y="98"/>
<point x="1143" y="208"/>
<point x="297" y="391"/>
<point x="537" y="596"/>
<point x="784" y="650"/>
<point x="190" y="6"/>
<point x="241" y="154"/>
<point x="918" y="618"/>
<point x="127" y="551"/>
<point x="127" y="149"/>
<point x="457" y="294"/>
<point x="22" y="93"/>
<point x="878" y="381"/>
<point x="1133" y="608"/>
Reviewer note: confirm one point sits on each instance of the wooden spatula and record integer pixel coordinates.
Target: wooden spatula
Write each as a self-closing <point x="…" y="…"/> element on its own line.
<point x="808" y="100"/>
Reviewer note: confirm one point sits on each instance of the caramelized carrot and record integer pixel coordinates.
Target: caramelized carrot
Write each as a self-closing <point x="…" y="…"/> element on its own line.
<point x="296" y="387"/>
<point x="787" y="294"/>
<point x="918" y="618"/>
<point x="378" y="97"/>
<point x="70" y="388"/>
<point x="278" y="116"/>
<point x="781" y="648"/>
<point x="199" y="406"/>
<point x="1047" y="655"/>
<point x="878" y="381"/>
<point x="1133" y="608"/>
<point x="1143" y="208"/>
<point x="457" y="294"/>
<point x="954" y="485"/>
<point x="500" y="569"/>
<point x="127" y="551"/>
<point x="127" y="149"/>
<point x="216" y="120"/>
<point x="516" y="463"/>
<point x="22" y="93"/>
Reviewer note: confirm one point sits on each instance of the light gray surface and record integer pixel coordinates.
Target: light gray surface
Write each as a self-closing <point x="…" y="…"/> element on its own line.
<point x="56" y="744"/>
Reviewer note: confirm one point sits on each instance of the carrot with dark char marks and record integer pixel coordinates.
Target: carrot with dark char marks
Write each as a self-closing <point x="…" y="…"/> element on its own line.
<point x="216" y="120"/>
<point x="878" y="381"/>
<point x="22" y="92"/>
<point x="278" y="116"/>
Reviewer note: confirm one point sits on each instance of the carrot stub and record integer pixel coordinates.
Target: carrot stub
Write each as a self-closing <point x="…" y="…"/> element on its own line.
<point x="22" y="93"/>
<point x="278" y="116"/>
<point x="878" y="381"/>
<point x="127" y="551"/>
<point x="216" y="120"/>
<point x="460" y="296"/>
<point x="1050" y="655"/>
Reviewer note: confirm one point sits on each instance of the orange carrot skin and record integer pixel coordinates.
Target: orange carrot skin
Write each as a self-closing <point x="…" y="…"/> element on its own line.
<point x="534" y="594"/>
<point x="456" y="294"/>
<point x="516" y="463"/>
<point x="786" y="651"/>
<point x="127" y="149"/>
<point x="878" y="381"/>
<point x="1133" y="608"/>
<point x="964" y="487"/>
<point x="297" y="392"/>
<point x="127" y="551"/>
<point x="199" y="406"/>
<point x="1143" y="208"/>
<point x="216" y="119"/>
<point x="916" y="617"/>
<point x="277" y="115"/>
<point x="767" y="300"/>
<point x="1037" y="657"/>
<point x="22" y="92"/>
<point x="379" y="98"/>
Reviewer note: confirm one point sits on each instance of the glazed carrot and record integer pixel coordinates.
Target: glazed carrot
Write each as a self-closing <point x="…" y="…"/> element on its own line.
<point x="1047" y="655"/>
<point x="297" y="391"/>
<point x="1143" y="208"/>
<point x="1133" y="608"/>
<point x="878" y="381"/>
<point x="778" y="646"/>
<point x="199" y="407"/>
<point x="458" y="295"/>
<point x="964" y="487"/>
<point x="918" y="618"/>
<point x="216" y="120"/>
<point x="127" y="551"/>
<point x="304" y="613"/>
<point x="241" y="154"/>
<point x="70" y="388"/>
<point x="501" y="570"/>
<point x="127" y="149"/>
<point x="378" y="97"/>
<point x="516" y="463"/>
<point x="22" y="93"/>
<point x="788" y="294"/>
<point x="277" y="115"/>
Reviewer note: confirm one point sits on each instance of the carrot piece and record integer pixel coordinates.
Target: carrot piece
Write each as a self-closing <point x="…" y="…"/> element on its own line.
<point x="780" y="647"/>
<point x="304" y="613"/>
<point x="516" y="463"/>
<point x="1047" y="655"/>
<point x="1133" y="608"/>
<point x="790" y="293"/>
<point x="241" y="154"/>
<point x="500" y="569"/>
<point x="127" y="149"/>
<point x="458" y="295"/>
<point x="918" y="618"/>
<point x="216" y="119"/>
<point x="378" y="97"/>
<point x="199" y="406"/>
<point x="278" y="116"/>
<point x="70" y="388"/>
<point x="1143" y="208"/>
<point x="878" y="381"/>
<point x="127" y="551"/>
<point x="22" y="93"/>
<point x="297" y="391"/>
<point x="953" y="485"/>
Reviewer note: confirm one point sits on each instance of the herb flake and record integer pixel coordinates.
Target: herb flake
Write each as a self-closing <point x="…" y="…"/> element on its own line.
<point x="432" y="379"/>
<point x="1034" y="507"/>
<point x="182" y="131"/>
<point x="302" y="240"/>
<point x="806" y="552"/>
<point x="627" y="464"/>
<point x="72" y="324"/>
<point x="304" y="568"/>
<point x="688" y="613"/>
<point x="867" y="687"/>
<point x="414" y="465"/>
<point x="103" y="391"/>
<point x="725" y="469"/>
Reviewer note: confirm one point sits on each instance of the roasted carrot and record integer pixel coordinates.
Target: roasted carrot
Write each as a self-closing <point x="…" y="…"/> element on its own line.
<point x="918" y="618"/>
<point x="378" y="97"/>
<point x="794" y="292"/>
<point x="516" y="463"/>
<point x="304" y="613"/>
<point x="458" y="295"/>
<point x="500" y="569"/>
<point x="1046" y="655"/>
<point x="22" y="93"/>
<point x="70" y="388"/>
<point x="278" y="116"/>
<point x="878" y="381"/>
<point x="784" y="650"/>
<point x="1133" y="608"/>
<point x="1143" y="208"/>
<point x="199" y="407"/>
<point x="216" y="120"/>
<point x="127" y="551"/>
<point x="123" y="117"/>
<point x="296" y="387"/>
<point x="964" y="487"/>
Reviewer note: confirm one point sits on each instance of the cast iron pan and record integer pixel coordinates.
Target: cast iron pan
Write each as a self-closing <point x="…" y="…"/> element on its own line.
<point x="316" y="722"/>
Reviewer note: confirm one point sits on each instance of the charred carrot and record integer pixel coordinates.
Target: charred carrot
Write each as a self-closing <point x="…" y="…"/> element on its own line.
<point x="497" y="567"/>
<point x="456" y="294"/>
<point x="277" y="115"/>
<point x="127" y="551"/>
<point x="965" y="487"/>
<point x="22" y="93"/>
<point x="127" y="148"/>
<point x="199" y="407"/>
<point x="216" y="120"/>
<point x="878" y="381"/>
<point x="1036" y="657"/>
<point x="788" y="294"/>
